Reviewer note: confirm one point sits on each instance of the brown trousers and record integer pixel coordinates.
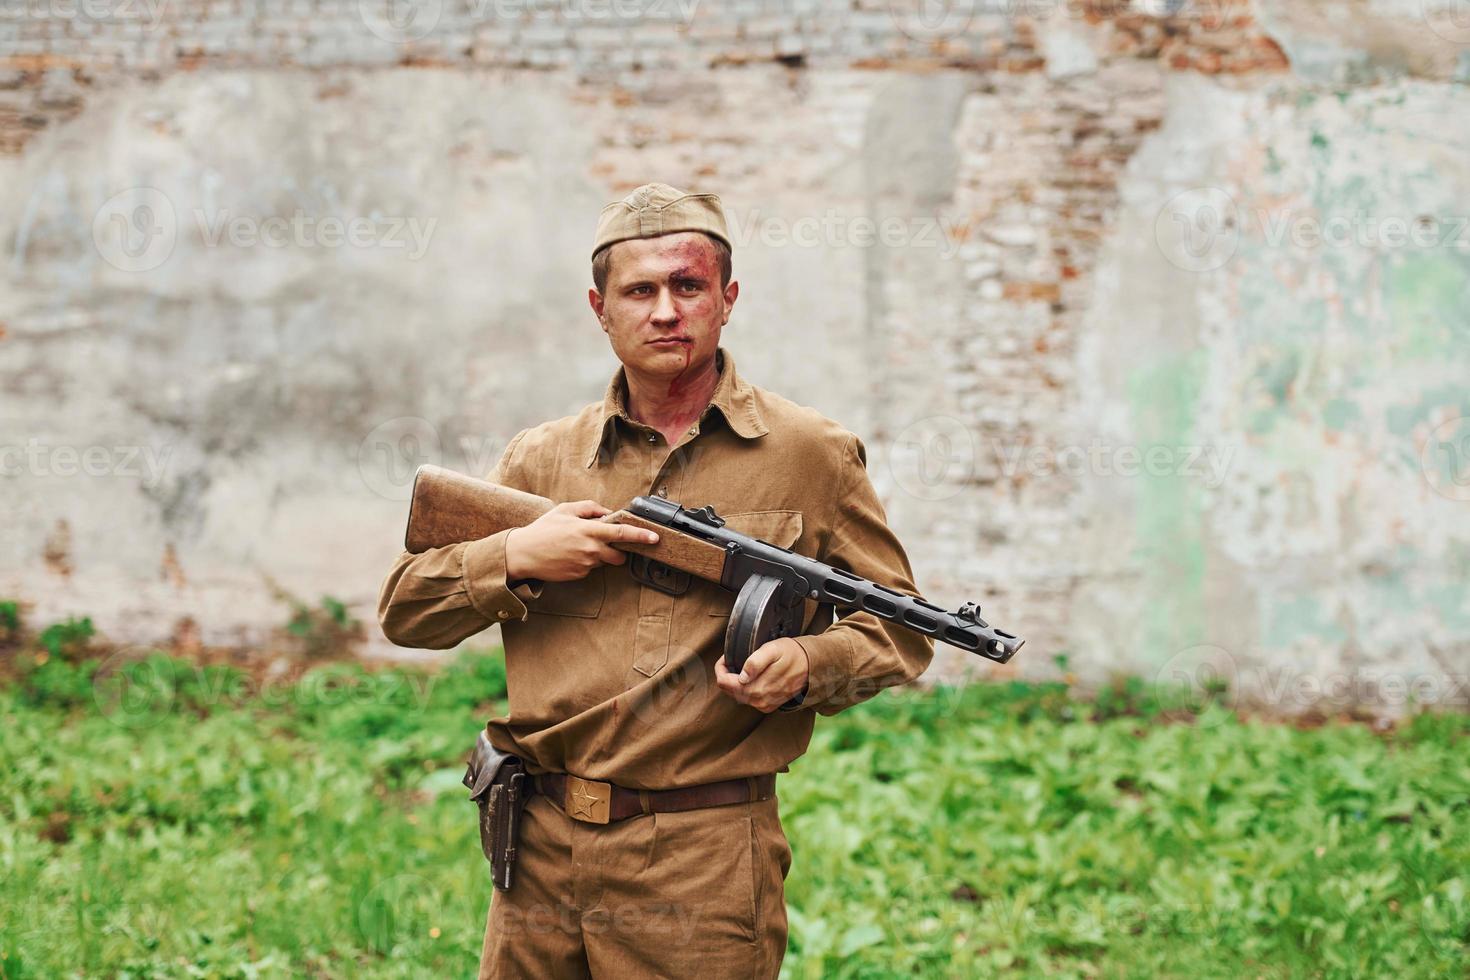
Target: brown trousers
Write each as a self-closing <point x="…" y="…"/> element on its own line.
<point x="695" y="893"/>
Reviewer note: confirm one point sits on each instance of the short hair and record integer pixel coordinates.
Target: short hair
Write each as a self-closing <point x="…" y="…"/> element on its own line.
<point x="600" y="263"/>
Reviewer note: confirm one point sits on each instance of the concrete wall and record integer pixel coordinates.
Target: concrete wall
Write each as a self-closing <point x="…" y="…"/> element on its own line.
<point x="1153" y="316"/>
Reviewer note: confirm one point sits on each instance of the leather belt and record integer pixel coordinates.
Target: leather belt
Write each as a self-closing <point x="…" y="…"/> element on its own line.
<point x="591" y="801"/>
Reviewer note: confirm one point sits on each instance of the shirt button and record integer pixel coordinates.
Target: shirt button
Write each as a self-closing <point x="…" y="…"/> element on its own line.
<point x="694" y="431"/>
<point x="663" y="491"/>
<point x="503" y="614"/>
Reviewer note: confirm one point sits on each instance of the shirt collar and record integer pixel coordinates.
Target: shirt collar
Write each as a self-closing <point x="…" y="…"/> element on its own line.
<point x="733" y="397"/>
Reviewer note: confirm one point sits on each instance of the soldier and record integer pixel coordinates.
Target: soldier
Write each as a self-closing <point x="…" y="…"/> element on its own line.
<point x="652" y="845"/>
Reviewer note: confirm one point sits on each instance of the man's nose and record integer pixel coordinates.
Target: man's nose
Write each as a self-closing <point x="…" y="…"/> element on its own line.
<point x="664" y="310"/>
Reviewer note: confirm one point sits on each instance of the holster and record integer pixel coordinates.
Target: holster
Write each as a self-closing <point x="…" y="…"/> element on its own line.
<point x="498" y="785"/>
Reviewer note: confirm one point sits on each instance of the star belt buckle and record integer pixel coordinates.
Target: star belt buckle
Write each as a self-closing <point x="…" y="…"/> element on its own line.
<point x="588" y="800"/>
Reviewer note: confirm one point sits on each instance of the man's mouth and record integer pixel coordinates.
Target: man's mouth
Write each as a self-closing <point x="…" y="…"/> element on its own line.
<point x="670" y="341"/>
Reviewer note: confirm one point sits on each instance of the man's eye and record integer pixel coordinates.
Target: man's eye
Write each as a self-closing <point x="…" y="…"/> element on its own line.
<point x="689" y="287"/>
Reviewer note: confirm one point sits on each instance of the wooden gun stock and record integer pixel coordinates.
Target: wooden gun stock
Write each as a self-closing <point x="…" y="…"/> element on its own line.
<point x="449" y="507"/>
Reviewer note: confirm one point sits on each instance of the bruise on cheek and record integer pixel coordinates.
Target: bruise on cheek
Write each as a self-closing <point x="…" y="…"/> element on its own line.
<point x="696" y="261"/>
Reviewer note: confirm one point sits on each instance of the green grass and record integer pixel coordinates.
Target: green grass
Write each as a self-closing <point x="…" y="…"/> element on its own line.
<point x="177" y="821"/>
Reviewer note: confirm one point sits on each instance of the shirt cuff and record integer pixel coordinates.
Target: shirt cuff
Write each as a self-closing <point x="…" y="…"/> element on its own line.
<point x="485" y="583"/>
<point x="829" y="665"/>
<point x="528" y="589"/>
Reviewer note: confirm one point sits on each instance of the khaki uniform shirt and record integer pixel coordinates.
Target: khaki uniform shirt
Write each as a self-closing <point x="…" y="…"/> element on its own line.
<point x="614" y="681"/>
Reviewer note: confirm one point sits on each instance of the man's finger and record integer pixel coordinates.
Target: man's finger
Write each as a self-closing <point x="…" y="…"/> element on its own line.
<point x="587" y="508"/>
<point x="623" y="532"/>
<point x="757" y="662"/>
<point x="731" y="686"/>
<point x="610" y="556"/>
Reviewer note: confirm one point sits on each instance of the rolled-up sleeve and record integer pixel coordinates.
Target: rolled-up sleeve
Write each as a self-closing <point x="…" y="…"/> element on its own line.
<point x="860" y="654"/>
<point x="439" y="597"/>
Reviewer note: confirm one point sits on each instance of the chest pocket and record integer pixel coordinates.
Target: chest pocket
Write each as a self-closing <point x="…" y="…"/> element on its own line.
<point x="582" y="597"/>
<point x="779" y="527"/>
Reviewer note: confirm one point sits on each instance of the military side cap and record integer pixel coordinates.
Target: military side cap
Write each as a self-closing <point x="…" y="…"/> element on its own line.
<point x="658" y="209"/>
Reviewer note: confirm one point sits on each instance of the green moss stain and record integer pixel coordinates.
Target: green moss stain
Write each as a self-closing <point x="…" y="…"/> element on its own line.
<point x="1428" y="297"/>
<point x="1402" y="418"/>
<point x="1303" y="617"/>
<point x="1338" y="413"/>
<point x="1163" y="397"/>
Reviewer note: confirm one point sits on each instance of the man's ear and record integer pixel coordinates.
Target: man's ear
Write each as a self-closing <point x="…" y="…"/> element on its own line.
<point x="732" y="292"/>
<point x="594" y="299"/>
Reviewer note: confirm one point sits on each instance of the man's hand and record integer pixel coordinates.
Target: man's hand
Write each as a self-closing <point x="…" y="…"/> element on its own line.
<point x="774" y="674"/>
<point x="567" y="542"/>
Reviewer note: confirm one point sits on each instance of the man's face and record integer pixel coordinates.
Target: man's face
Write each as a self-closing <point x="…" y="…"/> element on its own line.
<point x="663" y="307"/>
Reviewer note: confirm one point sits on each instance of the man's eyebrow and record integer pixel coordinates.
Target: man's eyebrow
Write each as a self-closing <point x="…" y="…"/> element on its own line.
<point x="684" y="274"/>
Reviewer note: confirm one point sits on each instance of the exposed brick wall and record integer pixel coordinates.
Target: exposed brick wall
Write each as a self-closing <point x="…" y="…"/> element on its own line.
<point x="52" y="52"/>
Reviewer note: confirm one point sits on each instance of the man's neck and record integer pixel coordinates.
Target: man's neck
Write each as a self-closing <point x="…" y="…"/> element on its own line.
<point x="671" y="406"/>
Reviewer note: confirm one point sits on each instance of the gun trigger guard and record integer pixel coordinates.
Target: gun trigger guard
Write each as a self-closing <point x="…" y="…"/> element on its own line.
<point x="656" y="575"/>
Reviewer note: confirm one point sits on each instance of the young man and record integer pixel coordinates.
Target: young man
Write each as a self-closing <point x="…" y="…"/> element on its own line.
<point x="653" y="846"/>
